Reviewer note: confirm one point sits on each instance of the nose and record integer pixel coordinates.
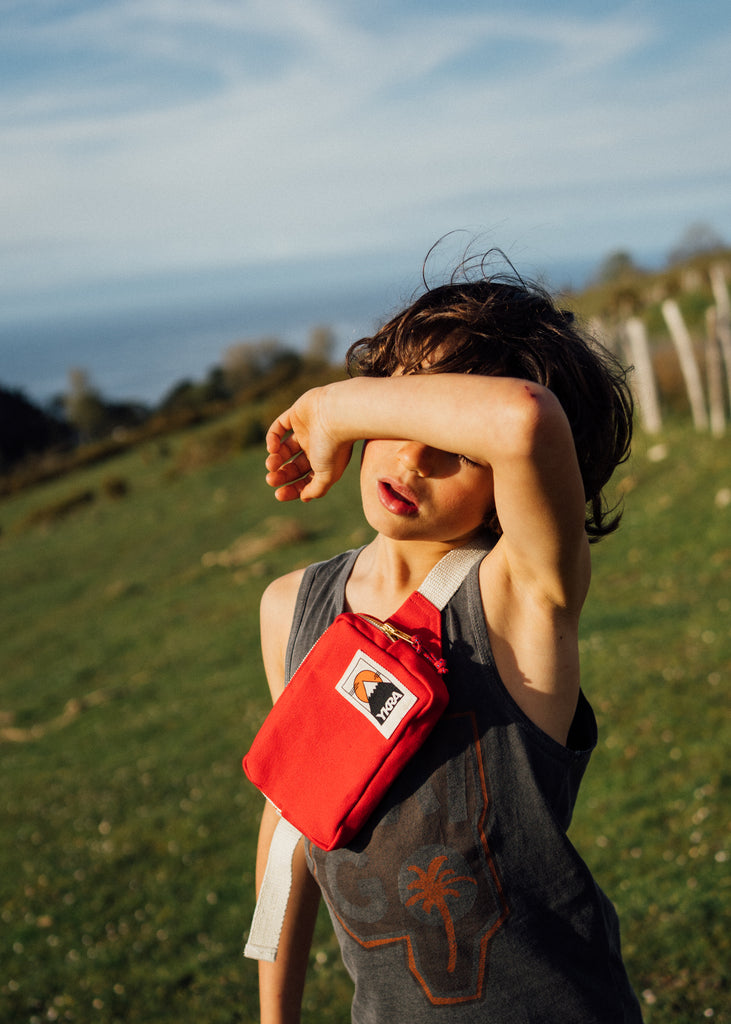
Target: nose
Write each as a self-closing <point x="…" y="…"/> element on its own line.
<point x="418" y="458"/>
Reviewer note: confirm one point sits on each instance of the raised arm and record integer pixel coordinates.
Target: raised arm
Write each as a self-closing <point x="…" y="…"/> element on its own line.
<point x="516" y="427"/>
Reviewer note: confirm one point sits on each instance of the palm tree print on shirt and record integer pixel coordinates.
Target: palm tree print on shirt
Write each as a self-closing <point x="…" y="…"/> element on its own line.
<point x="434" y="887"/>
<point x="430" y="813"/>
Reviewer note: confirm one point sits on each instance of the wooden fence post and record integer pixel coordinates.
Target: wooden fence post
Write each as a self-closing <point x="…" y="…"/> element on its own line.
<point x="689" y="367"/>
<point x="723" y="317"/>
<point x="644" y="377"/>
<point x="713" y="373"/>
<point x="598" y="329"/>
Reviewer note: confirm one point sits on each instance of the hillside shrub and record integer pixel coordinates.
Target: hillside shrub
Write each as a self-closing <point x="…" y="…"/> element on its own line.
<point x="48" y="514"/>
<point x="115" y="487"/>
<point x="214" y="445"/>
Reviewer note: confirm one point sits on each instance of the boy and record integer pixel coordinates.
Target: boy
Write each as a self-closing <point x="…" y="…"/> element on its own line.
<point x="487" y="418"/>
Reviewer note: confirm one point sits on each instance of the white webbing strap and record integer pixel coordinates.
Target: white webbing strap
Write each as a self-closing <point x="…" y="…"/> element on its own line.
<point x="439" y="587"/>
<point x="271" y="906"/>
<point x="446" y="577"/>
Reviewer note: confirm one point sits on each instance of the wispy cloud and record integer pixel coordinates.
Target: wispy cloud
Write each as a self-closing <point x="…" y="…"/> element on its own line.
<point x="148" y="134"/>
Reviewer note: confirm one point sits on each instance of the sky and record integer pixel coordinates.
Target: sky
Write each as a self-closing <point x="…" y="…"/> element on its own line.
<point x="170" y="153"/>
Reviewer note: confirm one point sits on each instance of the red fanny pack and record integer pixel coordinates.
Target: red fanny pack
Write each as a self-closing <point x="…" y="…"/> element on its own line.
<point x="354" y="713"/>
<point x="358" y="707"/>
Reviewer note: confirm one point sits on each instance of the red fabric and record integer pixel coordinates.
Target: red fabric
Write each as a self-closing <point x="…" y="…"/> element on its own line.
<point x="356" y="710"/>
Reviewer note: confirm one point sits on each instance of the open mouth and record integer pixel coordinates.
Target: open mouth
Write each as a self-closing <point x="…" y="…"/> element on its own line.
<point x="397" y="499"/>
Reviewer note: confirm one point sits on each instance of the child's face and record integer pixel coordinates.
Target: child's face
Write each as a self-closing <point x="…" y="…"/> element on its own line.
<point x="413" y="492"/>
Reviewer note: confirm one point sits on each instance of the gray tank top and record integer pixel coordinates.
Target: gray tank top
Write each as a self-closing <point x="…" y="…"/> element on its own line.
<point x="463" y="900"/>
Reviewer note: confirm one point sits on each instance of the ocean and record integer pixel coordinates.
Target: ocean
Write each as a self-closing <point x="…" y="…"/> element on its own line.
<point x="137" y="343"/>
<point x="141" y="353"/>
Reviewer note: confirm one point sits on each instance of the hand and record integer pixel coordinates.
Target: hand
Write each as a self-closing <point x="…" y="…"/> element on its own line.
<point x="305" y="459"/>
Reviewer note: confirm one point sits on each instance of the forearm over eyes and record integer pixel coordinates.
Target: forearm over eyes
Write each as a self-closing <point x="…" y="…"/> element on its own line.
<point x="485" y="418"/>
<point x="516" y="427"/>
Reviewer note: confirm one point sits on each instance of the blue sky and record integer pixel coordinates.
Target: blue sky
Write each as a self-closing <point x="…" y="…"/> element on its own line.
<point x="164" y="145"/>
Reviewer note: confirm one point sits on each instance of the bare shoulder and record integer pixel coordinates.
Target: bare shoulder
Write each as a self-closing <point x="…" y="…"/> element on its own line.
<point x="280" y="595"/>
<point x="276" y="613"/>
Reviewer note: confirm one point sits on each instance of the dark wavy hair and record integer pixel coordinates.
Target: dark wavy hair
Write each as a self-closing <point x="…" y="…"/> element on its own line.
<point x="501" y="326"/>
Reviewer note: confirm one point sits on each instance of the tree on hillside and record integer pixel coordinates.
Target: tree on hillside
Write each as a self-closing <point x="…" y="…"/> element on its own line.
<point x="25" y="429"/>
<point x="94" y="418"/>
<point x="84" y="407"/>
<point x="321" y="346"/>
<point x="615" y="267"/>
<point x="246" y="362"/>
<point x="193" y="395"/>
<point x="697" y="239"/>
<point x="620" y="280"/>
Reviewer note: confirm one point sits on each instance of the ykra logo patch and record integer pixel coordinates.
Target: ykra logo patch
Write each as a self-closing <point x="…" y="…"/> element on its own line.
<point x="376" y="693"/>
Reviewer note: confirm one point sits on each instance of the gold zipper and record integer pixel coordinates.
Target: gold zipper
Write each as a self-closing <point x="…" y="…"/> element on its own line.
<point x="394" y="633"/>
<point x="391" y="631"/>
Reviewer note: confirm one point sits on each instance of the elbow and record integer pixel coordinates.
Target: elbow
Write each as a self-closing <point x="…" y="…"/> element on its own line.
<point x="537" y="421"/>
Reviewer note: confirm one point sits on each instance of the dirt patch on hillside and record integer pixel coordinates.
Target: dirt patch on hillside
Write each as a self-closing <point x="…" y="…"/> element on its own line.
<point x="244" y="552"/>
<point x="10" y="733"/>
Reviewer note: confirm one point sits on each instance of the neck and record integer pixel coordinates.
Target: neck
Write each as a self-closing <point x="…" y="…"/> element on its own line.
<point x="388" y="571"/>
<point x="403" y="564"/>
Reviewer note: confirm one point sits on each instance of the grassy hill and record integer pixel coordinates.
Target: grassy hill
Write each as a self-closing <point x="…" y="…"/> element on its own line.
<point x="131" y="687"/>
<point x="634" y="291"/>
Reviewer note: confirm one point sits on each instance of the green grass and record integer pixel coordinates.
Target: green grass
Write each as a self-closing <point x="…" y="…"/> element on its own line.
<point x="132" y="685"/>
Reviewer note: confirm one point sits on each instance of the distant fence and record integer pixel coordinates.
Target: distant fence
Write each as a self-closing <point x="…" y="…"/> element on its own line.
<point x="708" y="392"/>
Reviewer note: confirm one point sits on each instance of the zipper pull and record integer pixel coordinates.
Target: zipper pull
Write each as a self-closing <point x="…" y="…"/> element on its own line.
<point x="439" y="663"/>
<point x="393" y="633"/>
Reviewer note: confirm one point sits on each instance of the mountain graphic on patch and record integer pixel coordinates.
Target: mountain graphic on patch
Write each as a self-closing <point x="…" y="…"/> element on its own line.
<point x="372" y="690"/>
<point x="379" y="695"/>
